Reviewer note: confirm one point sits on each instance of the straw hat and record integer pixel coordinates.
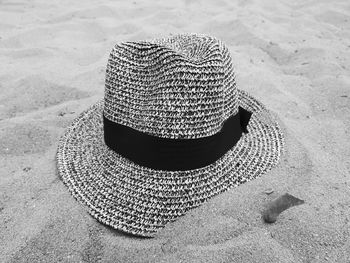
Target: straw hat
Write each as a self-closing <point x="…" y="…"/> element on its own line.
<point x="172" y="131"/>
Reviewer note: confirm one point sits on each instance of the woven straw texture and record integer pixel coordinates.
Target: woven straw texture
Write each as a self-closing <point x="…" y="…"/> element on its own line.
<point x="178" y="87"/>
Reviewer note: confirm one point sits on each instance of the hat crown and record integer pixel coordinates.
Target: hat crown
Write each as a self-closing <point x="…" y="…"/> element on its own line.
<point x="177" y="87"/>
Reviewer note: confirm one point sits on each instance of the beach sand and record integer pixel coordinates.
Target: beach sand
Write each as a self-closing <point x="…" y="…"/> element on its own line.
<point x="294" y="56"/>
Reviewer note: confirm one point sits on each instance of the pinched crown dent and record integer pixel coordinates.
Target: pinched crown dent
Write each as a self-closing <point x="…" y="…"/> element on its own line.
<point x="177" y="87"/>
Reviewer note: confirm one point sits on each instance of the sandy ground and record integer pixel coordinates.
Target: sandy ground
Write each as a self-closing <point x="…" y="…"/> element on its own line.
<point x="292" y="55"/>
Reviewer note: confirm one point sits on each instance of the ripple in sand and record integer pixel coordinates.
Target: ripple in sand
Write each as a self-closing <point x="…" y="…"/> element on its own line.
<point x="24" y="139"/>
<point x="337" y="19"/>
<point x="34" y="93"/>
<point x="29" y="53"/>
<point x="93" y="250"/>
<point x="57" y="242"/>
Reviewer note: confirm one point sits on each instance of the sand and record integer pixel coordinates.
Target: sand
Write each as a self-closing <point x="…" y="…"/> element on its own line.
<point x="294" y="56"/>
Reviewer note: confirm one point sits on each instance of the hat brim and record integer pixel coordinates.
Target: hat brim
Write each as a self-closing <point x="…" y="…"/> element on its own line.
<point x="140" y="200"/>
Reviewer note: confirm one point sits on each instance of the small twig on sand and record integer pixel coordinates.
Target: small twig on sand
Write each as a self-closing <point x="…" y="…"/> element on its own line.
<point x="278" y="205"/>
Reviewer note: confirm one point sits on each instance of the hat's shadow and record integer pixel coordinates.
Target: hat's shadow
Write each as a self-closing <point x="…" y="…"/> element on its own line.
<point x="117" y="232"/>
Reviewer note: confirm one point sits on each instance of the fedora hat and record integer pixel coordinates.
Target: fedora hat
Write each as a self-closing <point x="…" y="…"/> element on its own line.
<point x="172" y="131"/>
